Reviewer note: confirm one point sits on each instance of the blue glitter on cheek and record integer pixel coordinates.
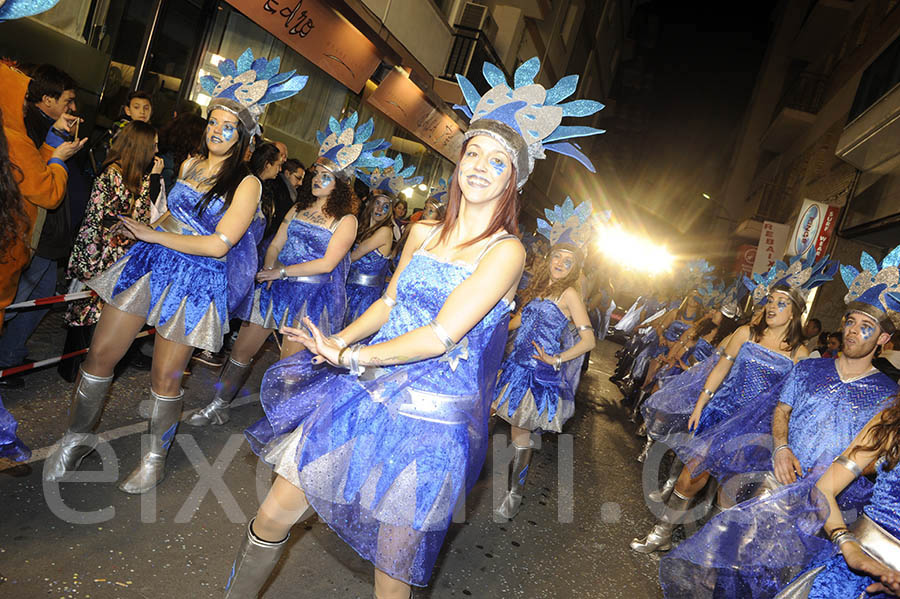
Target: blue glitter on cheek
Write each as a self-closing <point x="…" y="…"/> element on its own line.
<point x="866" y="331"/>
<point x="228" y="133"/>
<point x="781" y="305"/>
<point x="499" y="167"/>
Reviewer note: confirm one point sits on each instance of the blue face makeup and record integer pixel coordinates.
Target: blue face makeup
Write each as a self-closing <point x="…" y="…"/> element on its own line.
<point x="866" y="331"/>
<point x="498" y="165"/>
<point x="781" y="305"/>
<point x="228" y="132"/>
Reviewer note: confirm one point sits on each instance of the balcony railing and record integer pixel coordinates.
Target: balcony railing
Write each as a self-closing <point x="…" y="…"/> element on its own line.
<point x="471" y="49"/>
<point x="806" y="93"/>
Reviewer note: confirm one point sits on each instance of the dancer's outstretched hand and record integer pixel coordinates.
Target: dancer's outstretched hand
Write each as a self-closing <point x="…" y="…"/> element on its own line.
<point x="326" y="349"/>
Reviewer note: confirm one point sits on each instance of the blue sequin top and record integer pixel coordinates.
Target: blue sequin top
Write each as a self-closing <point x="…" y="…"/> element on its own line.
<point x="755" y="370"/>
<point x="884" y="508"/>
<point x="542" y="322"/>
<point x="305" y="242"/>
<point x="827" y="413"/>
<point x="675" y="330"/>
<point x="373" y="263"/>
<point x="702" y="349"/>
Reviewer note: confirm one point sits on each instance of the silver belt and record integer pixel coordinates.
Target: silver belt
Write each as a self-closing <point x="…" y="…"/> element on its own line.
<point x="367" y="280"/>
<point x="170" y="224"/>
<point x="427" y="405"/>
<point x="324" y="277"/>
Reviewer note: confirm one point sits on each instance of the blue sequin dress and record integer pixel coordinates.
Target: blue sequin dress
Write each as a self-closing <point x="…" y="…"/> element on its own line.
<point x="10" y="445"/>
<point x="757" y="374"/>
<point x="188" y="298"/>
<point x="365" y="283"/>
<point x="530" y="394"/>
<point x="322" y="297"/>
<point x="383" y="458"/>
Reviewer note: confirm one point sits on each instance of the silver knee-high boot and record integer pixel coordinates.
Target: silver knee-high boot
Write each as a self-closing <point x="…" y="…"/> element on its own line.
<point x="518" y="474"/>
<point x="647" y="445"/>
<point x="660" y="536"/>
<point x="234" y="375"/>
<point x="662" y="495"/>
<point x="84" y="413"/>
<point x="254" y="563"/>
<point x="163" y="423"/>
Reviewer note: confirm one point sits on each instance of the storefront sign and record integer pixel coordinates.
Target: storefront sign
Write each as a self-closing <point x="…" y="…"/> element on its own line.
<point x="320" y="34"/>
<point x="746" y="256"/>
<point x="815" y="225"/>
<point x="402" y="101"/>
<point x="772" y="240"/>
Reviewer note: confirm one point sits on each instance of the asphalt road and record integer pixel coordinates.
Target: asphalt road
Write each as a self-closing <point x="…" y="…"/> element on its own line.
<point x="88" y="540"/>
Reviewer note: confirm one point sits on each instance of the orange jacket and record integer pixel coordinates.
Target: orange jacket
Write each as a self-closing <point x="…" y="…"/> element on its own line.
<point x="42" y="186"/>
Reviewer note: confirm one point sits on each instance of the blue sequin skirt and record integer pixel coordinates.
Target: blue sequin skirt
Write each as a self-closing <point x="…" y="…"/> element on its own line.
<point x="534" y="398"/>
<point x="288" y="301"/>
<point x="359" y="298"/>
<point x="10" y="445"/>
<point x="382" y="462"/>
<point x="184" y="296"/>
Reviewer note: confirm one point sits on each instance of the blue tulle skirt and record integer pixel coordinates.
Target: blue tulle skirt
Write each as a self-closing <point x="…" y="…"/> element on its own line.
<point x="10" y="445"/>
<point x="668" y="410"/>
<point x="755" y="549"/>
<point x="359" y="298"/>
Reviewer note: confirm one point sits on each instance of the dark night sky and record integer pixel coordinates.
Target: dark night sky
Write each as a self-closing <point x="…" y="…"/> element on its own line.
<point x="679" y="105"/>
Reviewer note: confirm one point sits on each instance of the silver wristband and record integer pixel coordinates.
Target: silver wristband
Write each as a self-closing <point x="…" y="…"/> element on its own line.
<point x="558" y="363"/>
<point x="283" y="272"/>
<point x="340" y="342"/>
<point x="355" y="368"/>
<point x="779" y="448"/>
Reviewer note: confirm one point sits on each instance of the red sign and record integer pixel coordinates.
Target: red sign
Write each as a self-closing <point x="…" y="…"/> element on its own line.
<point x="746" y="256"/>
<point x="403" y="102"/>
<point x="321" y="35"/>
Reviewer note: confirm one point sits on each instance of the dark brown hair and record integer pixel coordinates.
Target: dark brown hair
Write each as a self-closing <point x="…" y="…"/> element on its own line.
<point x="541" y="285"/>
<point x="340" y="202"/>
<point x="366" y="229"/>
<point x="883" y="437"/>
<point x="132" y="153"/>
<point x="793" y="337"/>
<point x="182" y="137"/>
<point x="506" y="215"/>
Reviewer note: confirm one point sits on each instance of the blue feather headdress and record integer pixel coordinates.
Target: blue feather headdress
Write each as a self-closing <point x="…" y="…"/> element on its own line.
<point x="439" y="193"/>
<point x="696" y="275"/>
<point x="567" y="224"/>
<point x="392" y="179"/>
<point x="875" y="289"/>
<point x="525" y="119"/>
<point x="345" y="148"/>
<point x="16" y="9"/>
<point x="800" y="275"/>
<point x="248" y="85"/>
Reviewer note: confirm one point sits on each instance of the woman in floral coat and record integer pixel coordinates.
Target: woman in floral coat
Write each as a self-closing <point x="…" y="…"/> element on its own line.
<point x="123" y="187"/>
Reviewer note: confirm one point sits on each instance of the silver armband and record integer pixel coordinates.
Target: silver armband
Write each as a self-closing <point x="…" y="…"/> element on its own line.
<point x="708" y="393"/>
<point x="224" y="239"/>
<point x="391" y="302"/>
<point x="442" y="335"/>
<point x="849" y="465"/>
<point x="728" y="357"/>
<point x="585" y="327"/>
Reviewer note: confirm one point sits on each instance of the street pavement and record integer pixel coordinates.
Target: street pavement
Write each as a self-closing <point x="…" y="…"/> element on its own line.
<point x="89" y="540"/>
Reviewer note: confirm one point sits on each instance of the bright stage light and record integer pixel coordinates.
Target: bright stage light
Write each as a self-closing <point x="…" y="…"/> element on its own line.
<point x="633" y="252"/>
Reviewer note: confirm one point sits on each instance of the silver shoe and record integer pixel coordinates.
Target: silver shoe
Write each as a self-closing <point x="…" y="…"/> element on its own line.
<point x="660" y="536"/>
<point x="518" y="474"/>
<point x="234" y="375"/>
<point x="84" y="414"/>
<point x="163" y="424"/>
<point x="254" y="563"/>
<point x="643" y="455"/>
